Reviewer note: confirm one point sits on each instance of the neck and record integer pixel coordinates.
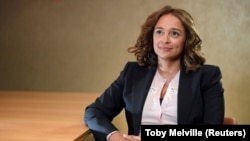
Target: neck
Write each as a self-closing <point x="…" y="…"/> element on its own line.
<point x="168" y="69"/>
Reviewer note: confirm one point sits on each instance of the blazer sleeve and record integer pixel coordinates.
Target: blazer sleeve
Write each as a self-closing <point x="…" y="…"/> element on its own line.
<point x="213" y="95"/>
<point x="99" y="114"/>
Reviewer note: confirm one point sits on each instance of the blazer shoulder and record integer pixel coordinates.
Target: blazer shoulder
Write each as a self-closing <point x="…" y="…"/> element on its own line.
<point x="133" y="65"/>
<point x="135" y="70"/>
<point x="210" y="68"/>
<point x="211" y="72"/>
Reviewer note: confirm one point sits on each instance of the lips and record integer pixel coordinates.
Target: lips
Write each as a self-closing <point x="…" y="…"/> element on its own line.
<point x="165" y="48"/>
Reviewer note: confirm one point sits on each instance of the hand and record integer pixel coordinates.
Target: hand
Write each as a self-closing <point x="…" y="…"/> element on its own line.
<point x="123" y="137"/>
<point x="132" y="137"/>
<point x="118" y="136"/>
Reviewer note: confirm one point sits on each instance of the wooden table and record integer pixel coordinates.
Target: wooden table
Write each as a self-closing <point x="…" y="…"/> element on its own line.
<point x="43" y="116"/>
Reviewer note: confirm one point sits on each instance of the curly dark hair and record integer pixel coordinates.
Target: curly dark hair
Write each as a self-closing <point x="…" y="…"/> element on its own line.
<point x="192" y="56"/>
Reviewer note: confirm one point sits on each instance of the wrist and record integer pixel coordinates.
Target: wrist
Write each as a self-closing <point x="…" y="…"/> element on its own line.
<point x="110" y="134"/>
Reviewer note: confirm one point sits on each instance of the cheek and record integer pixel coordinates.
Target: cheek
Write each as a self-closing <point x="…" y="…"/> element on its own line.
<point x="156" y="40"/>
<point x="180" y="43"/>
<point x="179" y="46"/>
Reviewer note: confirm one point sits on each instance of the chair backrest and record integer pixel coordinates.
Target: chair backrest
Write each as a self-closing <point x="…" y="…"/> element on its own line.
<point x="230" y="121"/>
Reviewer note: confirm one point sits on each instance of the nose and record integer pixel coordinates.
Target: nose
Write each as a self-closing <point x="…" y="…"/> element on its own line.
<point x="166" y="39"/>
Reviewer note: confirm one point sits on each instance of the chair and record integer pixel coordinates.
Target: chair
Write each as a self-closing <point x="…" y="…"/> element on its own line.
<point x="230" y="121"/>
<point x="87" y="136"/>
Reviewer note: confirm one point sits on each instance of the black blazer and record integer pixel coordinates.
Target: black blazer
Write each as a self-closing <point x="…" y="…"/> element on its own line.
<point x="200" y="99"/>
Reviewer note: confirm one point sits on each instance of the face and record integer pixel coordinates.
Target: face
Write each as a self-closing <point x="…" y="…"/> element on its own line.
<point x="169" y="38"/>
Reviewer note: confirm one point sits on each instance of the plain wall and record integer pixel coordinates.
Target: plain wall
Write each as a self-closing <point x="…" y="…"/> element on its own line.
<point x="81" y="45"/>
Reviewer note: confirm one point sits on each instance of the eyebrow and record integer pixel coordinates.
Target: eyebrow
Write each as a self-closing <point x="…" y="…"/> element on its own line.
<point x="175" y="29"/>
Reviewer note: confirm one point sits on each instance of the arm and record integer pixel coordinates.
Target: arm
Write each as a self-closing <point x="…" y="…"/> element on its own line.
<point x="99" y="115"/>
<point x="213" y="96"/>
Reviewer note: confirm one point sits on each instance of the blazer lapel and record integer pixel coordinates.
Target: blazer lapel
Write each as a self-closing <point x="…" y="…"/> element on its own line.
<point x="141" y="86"/>
<point x="185" y="96"/>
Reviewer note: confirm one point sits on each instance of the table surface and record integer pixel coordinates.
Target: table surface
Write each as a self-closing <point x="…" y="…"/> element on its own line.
<point x="50" y="116"/>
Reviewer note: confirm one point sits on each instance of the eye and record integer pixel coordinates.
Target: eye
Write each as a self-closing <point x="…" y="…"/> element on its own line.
<point x="159" y="32"/>
<point x="174" y="34"/>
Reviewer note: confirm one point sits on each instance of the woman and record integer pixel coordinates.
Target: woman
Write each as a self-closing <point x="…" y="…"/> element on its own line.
<point x="168" y="84"/>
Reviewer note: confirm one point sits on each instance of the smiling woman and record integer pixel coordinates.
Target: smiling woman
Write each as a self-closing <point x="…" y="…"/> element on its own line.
<point x="169" y="83"/>
<point x="81" y="45"/>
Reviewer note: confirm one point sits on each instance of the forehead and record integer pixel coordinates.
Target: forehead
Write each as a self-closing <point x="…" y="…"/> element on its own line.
<point x="169" y="21"/>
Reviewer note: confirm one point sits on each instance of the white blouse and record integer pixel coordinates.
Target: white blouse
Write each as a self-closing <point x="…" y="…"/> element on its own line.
<point x="166" y="112"/>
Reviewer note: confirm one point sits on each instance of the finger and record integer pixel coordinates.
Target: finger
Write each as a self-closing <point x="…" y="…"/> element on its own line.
<point x="132" y="137"/>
